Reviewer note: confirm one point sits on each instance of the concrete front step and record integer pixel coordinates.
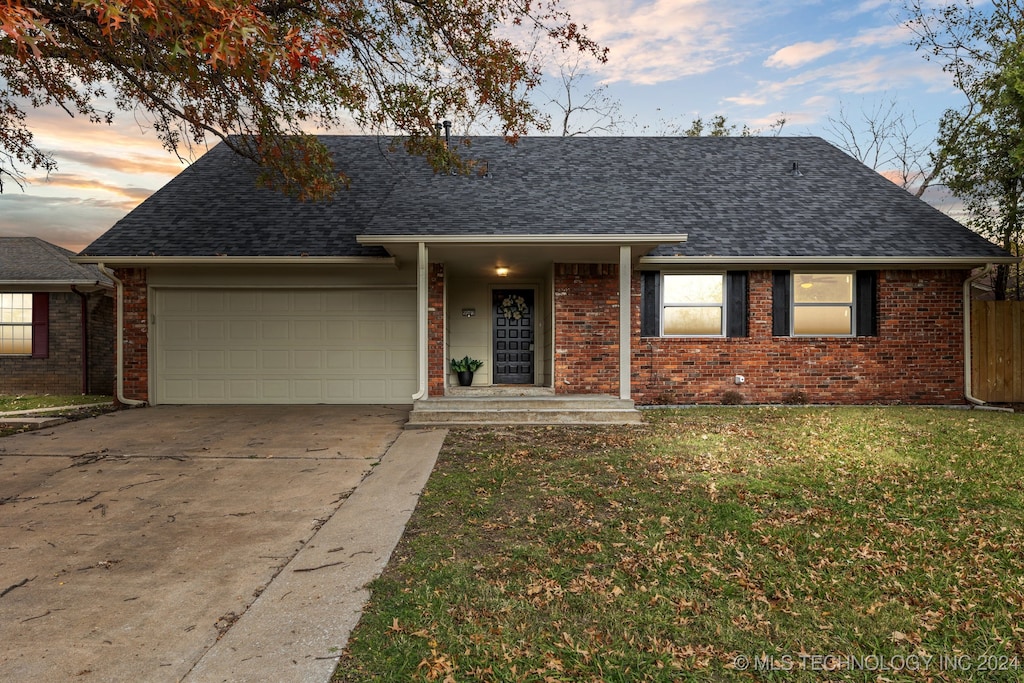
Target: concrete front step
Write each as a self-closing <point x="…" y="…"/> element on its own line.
<point x="451" y="412"/>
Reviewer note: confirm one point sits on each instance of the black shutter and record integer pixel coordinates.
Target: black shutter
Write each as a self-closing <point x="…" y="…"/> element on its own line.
<point x="780" y="302"/>
<point x="650" y="304"/>
<point x="736" y="306"/>
<point x="867" y="303"/>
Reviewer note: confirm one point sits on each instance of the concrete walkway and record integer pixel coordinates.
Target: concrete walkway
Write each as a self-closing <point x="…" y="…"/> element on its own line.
<point x="297" y="628"/>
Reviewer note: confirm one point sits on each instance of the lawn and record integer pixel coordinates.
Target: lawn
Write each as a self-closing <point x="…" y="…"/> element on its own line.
<point x="30" y="402"/>
<point x="775" y="544"/>
<point x="93" y="405"/>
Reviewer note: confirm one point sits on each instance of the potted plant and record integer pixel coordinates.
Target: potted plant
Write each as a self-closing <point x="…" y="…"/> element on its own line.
<point x="464" y="368"/>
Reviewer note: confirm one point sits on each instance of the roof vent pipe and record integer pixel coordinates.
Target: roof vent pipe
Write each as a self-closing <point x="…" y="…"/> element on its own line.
<point x="795" y="172"/>
<point x="447" y="134"/>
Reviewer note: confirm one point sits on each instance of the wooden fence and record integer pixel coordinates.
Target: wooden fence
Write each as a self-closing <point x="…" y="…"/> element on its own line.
<point x="997" y="341"/>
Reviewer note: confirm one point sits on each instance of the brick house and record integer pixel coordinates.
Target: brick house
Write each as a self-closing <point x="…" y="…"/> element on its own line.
<point x="652" y="270"/>
<point x="56" y="321"/>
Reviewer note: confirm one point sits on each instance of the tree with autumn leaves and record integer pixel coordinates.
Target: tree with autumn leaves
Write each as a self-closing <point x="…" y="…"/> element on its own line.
<point x="262" y="75"/>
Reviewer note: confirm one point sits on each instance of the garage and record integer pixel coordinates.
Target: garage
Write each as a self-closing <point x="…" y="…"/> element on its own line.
<point x="283" y="345"/>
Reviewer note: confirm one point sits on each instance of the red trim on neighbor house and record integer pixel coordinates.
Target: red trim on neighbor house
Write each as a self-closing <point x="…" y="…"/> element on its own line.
<point x="41" y="325"/>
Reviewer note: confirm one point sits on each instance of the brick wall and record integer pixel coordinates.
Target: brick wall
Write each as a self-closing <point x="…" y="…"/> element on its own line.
<point x="61" y="371"/>
<point x="101" y="343"/>
<point x="586" y="328"/>
<point x="136" y="333"/>
<point x="917" y="356"/>
<point x="437" y="367"/>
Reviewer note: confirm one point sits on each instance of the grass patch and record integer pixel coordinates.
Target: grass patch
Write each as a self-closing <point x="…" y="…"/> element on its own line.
<point x="90" y="406"/>
<point x="805" y="544"/>
<point x="25" y="402"/>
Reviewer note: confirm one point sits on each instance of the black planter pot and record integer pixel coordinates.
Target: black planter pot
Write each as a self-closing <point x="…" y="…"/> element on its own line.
<point x="465" y="378"/>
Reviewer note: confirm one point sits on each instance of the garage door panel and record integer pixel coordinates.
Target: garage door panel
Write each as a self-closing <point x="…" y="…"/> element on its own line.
<point x="285" y="346"/>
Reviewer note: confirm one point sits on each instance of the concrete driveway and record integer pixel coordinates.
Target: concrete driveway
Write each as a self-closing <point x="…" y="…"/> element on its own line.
<point x="131" y="543"/>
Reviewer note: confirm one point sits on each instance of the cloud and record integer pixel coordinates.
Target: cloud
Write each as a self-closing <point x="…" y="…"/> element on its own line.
<point x="799" y="54"/>
<point x="71" y="222"/>
<point x="136" y="194"/>
<point x="883" y="36"/>
<point x="871" y="75"/>
<point x="131" y="163"/>
<point x="654" y="41"/>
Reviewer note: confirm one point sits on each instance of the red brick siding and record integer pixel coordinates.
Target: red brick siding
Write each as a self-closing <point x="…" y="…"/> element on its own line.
<point x="136" y="333"/>
<point x="436" y="361"/>
<point x="61" y="371"/>
<point x="586" y="328"/>
<point x="917" y="356"/>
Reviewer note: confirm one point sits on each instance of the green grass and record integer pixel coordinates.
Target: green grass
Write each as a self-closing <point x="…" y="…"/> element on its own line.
<point x="670" y="552"/>
<point x="29" y="402"/>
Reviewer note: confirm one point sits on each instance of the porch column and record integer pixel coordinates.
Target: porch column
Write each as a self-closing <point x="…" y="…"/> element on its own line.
<point x="625" y="320"/>
<point x="422" y="321"/>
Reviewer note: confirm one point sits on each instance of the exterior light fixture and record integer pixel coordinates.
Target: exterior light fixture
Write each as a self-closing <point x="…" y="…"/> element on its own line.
<point x="502" y="271"/>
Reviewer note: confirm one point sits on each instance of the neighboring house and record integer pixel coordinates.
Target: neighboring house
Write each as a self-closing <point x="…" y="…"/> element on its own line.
<point x="56" y="321"/>
<point x="781" y="261"/>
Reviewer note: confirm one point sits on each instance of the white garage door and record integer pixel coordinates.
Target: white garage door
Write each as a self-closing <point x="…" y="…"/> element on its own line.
<point x="284" y="345"/>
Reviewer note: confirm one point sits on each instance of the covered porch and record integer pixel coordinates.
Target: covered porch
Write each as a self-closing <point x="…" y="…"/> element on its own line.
<point x="543" y="313"/>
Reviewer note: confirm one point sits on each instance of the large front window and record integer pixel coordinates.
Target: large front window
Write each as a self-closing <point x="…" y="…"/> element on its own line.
<point x="15" y="324"/>
<point x="823" y="304"/>
<point x="693" y="305"/>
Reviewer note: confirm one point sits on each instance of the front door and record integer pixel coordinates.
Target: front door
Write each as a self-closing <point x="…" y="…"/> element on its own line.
<point x="513" y="312"/>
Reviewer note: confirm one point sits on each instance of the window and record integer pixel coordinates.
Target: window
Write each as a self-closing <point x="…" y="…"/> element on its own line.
<point x="693" y="305"/>
<point x="823" y="304"/>
<point x="15" y="324"/>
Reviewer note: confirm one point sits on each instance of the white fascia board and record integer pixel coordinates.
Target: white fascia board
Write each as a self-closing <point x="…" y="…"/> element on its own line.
<point x="235" y="260"/>
<point x="651" y="262"/>
<point x="522" y="239"/>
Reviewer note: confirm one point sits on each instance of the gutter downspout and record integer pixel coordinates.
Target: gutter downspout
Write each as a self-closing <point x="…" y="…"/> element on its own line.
<point x="967" y="335"/>
<point x="119" y="360"/>
<point x="85" y="337"/>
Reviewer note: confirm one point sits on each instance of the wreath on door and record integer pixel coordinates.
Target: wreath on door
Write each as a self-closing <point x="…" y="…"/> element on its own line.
<point x="513" y="307"/>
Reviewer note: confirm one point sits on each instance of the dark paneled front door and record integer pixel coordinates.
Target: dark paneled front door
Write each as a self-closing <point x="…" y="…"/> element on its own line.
<point x="513" y="336"/>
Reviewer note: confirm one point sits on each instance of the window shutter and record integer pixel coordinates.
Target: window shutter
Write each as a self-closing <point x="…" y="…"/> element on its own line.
<point x="867" y="303"/>
<point x="780" y="302"/>
<point x="736" y="306"/>
<point x="41" y="325"/>
<point x="650" y="304"/>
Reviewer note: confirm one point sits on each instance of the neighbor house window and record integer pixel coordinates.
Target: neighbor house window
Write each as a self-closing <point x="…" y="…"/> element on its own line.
<point x="15" y="324"/>
<point x="693" y="305"/>
<point x="823" y="304"/>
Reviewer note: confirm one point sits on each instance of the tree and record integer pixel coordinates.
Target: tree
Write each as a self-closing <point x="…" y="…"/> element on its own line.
<point x="885" y="138"/>
<point x="718" y="126"/>
<point x="594" y="111"/>
<point x="259" y="75"/>
<point x="981" y="145"/>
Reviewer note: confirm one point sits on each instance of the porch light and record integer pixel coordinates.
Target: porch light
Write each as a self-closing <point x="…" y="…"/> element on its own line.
<point x="502" y="271"/>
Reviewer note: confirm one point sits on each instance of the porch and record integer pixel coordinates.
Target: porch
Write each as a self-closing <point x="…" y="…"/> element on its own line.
<point x="519" y="405"/>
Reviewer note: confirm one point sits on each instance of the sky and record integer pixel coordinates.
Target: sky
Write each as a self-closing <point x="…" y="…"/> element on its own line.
<point x="670" y="61"/>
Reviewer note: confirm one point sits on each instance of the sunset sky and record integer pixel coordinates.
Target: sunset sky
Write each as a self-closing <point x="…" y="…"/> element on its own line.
<point x="670" y="61"/>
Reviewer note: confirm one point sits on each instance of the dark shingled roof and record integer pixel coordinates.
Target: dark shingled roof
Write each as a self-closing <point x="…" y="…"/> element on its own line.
<point x="32" y="260"/>
<point x="731" y="196"/>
